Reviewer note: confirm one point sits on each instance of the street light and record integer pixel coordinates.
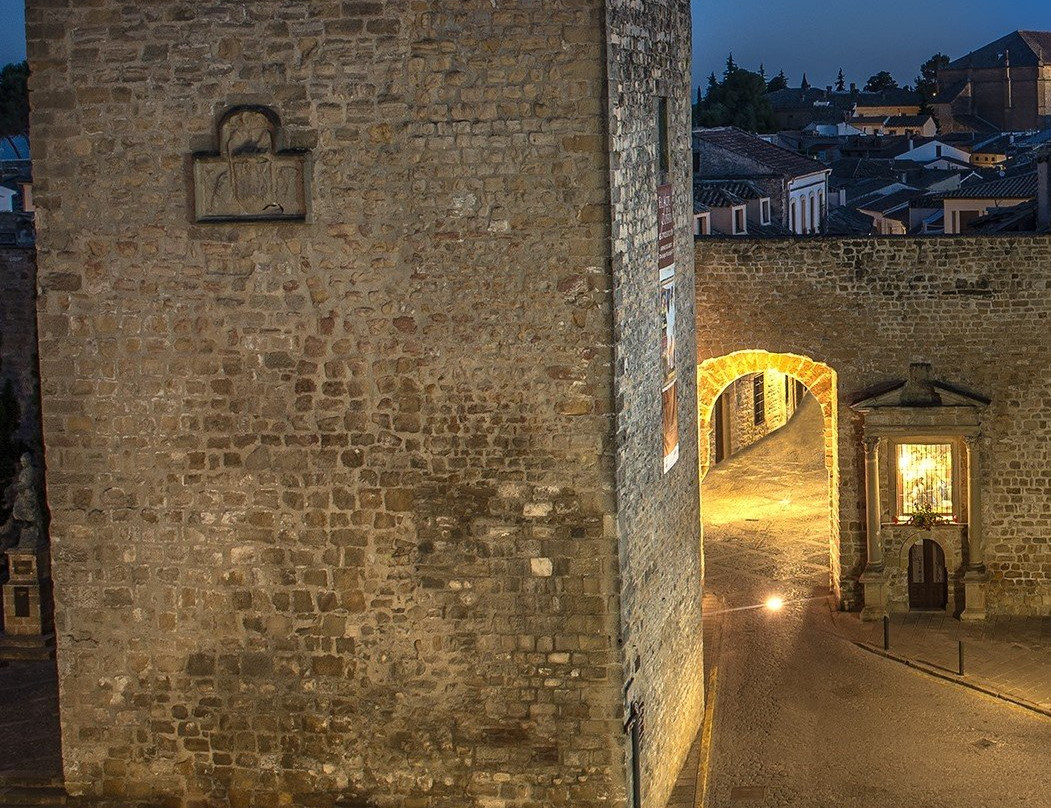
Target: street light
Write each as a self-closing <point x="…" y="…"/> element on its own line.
<point x="774" y="603"/>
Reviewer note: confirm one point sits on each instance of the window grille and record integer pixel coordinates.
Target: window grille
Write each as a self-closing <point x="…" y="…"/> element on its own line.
<point x="924" y="479"/>
<point x="759" y="398"/>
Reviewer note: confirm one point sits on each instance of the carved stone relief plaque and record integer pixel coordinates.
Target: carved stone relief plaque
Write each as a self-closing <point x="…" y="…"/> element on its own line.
<point x="249" y="179"/>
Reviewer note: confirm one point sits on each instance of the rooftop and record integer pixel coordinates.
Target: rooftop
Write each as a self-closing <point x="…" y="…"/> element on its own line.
<point x="908" y="120"/>
<point x="713" y="196"/>
<point x="1023" y="48"/>
<point x="775" y="159"/>
<point x="739" y="188"/>
<point x="848" y="222"/>
<point x="888" y="202"/>
<point x="798" y="98"/>
<point x="1023" y="187"/>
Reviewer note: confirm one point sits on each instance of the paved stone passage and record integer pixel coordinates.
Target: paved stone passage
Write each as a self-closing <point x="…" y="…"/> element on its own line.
<point x="803" y="717"/>
<point x="29" y="734"/>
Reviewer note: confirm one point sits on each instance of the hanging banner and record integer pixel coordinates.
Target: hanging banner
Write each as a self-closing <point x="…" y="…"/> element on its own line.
<point x="666" y="276"/>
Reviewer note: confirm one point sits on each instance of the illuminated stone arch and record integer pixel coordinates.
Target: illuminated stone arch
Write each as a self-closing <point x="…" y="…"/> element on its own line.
<point x="716" y="374"/>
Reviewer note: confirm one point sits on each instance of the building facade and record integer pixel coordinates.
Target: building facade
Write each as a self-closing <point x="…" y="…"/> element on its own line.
<point x="371" y="425"/>
<point x="750" y="408"/>
<point x="863" y="312"/>
<point x="371" y="476"/>
<point x="797" y="186"/>
<point x="1006" y="83"/>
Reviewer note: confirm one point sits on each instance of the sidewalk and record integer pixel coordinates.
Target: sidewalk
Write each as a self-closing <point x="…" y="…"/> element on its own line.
<point x="1006" y="655"/>
<point x="688" y="787"/>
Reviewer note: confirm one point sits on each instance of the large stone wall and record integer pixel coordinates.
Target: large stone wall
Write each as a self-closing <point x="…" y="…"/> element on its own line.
<point x="976" y="309"/>
<point x="1026" y="107"/>
<point x="658" y="518"/>
<point x="333" y="501"/>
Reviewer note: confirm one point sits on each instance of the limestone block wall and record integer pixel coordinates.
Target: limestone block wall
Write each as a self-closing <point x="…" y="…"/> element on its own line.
<point x="1029" y="104"/>
<point x="740" y="400"/>
<point x="334" y="501"/>
<point x="657" y="520"/>
<point x="971" y="307"/>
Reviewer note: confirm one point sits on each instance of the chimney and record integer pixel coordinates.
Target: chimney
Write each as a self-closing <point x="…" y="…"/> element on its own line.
<point x="854" y="88"/>
<point x="1043" y="188"/>
<point x="1008" y="94"/>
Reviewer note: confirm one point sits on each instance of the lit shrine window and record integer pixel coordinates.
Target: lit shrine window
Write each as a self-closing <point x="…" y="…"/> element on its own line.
<point x="924" y="479"/>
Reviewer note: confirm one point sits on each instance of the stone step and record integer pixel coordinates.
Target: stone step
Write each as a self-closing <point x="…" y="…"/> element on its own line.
<point x="21" y="796"/>
<point x="18" y="647"/>
<point x="30" y="779"/>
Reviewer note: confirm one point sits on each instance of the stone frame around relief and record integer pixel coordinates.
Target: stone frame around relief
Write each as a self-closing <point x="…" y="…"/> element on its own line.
<point x="250" y="178"/>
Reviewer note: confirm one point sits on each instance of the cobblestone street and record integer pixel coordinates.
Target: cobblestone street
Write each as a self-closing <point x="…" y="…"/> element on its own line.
<point x="803" y="717"/>
<point x="29" y="734"/>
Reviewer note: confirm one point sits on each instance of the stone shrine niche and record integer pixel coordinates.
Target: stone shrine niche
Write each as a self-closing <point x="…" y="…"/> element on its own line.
<point x="250" y="178"/>
<point x="923" y="497"/>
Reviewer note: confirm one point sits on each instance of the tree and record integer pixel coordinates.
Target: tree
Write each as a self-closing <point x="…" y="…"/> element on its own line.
<point x="731" y="66"/>
<point x="804" y="84"/>
<point x="762" y="70"/>
<point x="14" y="103"/>
<point x="739" y="100"/>
<point x="927" y="81"/>
<point x="778" y="82"/>
<point x="880" y="82"/>
<point x="841" y="82"/>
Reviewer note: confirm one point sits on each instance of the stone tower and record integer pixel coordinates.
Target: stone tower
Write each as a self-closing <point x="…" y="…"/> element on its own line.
<point x="359" y="384"/>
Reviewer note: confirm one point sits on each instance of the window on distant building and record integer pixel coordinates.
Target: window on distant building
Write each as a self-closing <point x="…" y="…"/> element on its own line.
<point x="759" y="399"/>
<point x="764" y="211"/>
<point x="740" y="222"/>
<point x="663" y="145"/>
<point x="702" y="225"/>
<point x="924" y="479"/>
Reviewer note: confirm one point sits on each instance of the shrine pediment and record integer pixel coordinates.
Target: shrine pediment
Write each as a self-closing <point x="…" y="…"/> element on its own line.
<point x="920" y="390"/>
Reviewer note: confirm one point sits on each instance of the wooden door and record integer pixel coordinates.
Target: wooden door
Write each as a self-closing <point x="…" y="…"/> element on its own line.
<point x="722" y="439"/>
<point x="928" y="583"/>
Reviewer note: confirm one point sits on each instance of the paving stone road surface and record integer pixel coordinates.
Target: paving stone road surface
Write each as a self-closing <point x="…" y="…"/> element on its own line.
<point x="29" y="734"/>
<point x="803" y="717"/>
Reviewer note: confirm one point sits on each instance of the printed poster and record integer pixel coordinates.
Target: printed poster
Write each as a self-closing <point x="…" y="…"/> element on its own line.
<point x="666" y="276"/>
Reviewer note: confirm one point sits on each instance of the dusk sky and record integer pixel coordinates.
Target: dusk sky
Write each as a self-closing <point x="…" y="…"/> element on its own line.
<point x="816" y="36"/>
<point x="861" y="36"/>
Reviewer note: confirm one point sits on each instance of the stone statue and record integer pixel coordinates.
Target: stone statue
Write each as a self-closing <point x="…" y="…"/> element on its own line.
<point x="27" y="515"/>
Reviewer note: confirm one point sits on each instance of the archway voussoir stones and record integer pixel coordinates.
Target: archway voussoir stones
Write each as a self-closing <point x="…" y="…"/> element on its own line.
<point x="715" y="374"/>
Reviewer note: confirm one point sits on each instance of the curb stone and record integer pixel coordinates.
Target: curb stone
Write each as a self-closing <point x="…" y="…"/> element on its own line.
<point x="932" y="671"/>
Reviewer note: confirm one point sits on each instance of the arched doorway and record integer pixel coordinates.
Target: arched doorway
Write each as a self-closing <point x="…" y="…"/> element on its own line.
<point x="716" y="374"/>
<point x="928" y="581"/>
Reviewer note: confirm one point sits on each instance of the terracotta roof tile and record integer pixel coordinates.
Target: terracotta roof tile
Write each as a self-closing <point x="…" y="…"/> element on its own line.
<point x="775" y="159"/>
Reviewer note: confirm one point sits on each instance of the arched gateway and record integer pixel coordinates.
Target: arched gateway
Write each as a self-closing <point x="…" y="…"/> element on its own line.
<point x="716" y="374"/>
